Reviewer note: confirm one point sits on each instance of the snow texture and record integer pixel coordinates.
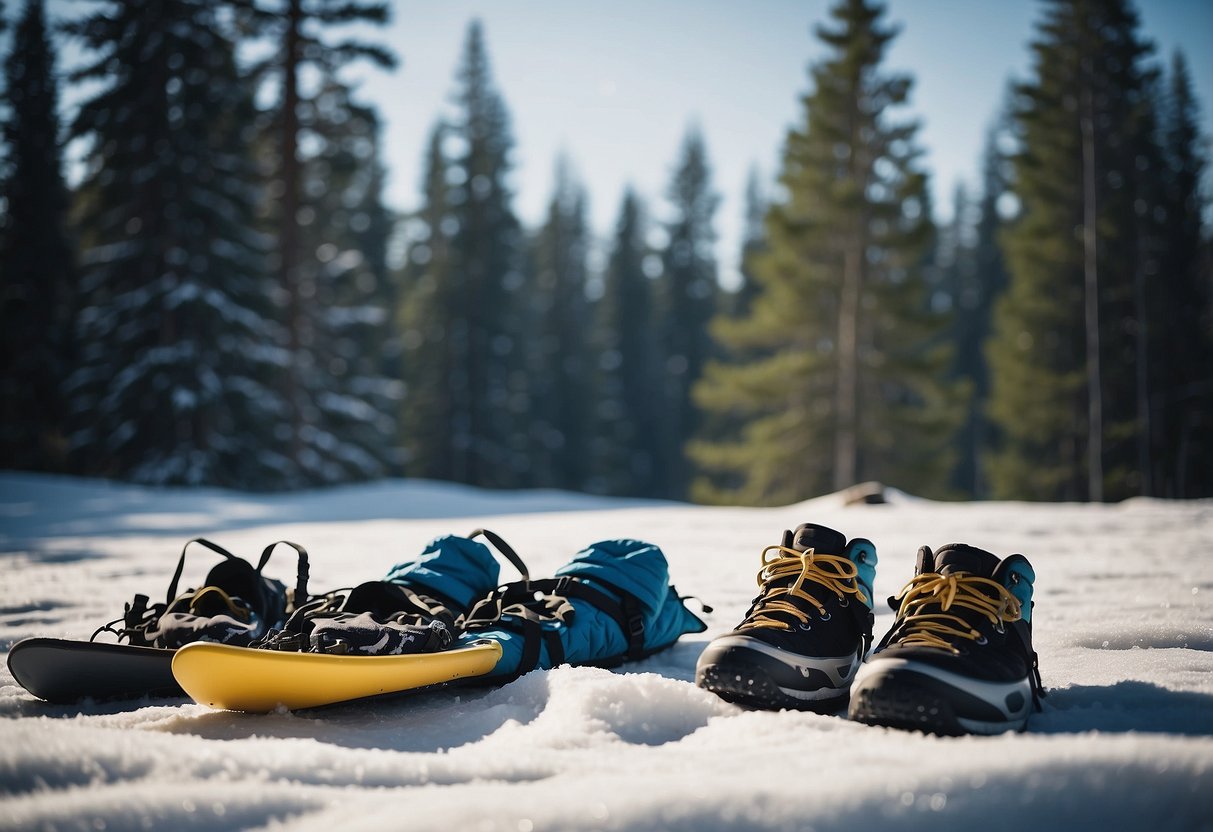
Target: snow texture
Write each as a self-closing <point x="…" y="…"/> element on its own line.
<point x="1124" y="627"/>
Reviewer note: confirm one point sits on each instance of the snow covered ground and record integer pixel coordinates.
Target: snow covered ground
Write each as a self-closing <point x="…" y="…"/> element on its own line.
<point x="1124" y="628"/>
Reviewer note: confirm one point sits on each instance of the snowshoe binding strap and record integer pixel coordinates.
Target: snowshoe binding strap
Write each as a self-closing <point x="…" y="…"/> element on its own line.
<point x="373" y="618"/>
<point x="214" y="547"/>
<point x="234" y="593"/>
<point x="298" y="596"/>
<point x="505" y="549"/>
<point x="139" y="619"/>
<point x="525" y="607"/>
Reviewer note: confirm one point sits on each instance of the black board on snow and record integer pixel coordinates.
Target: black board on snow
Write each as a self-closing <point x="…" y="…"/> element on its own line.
<point x="65" y="671"/>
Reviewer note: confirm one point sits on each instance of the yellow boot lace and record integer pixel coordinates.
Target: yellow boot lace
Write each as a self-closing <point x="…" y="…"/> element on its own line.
<point x="240" y="614"/>
<point x="834" y="572"/>
<point x="948" y="591"/>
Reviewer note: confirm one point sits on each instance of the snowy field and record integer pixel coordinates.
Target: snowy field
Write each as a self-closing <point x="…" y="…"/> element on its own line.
<point x="1124" y="628"/>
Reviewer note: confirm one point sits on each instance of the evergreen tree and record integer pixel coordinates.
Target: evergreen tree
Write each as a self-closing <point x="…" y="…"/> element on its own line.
<point x="688" y="301"/>
<point x="350" y="429"/>
<point x="626" y="436"/>
<point x="952" y="283"/>
<point x="1065" y="353"/>
<point x="975" y="277"/>
<point x="977" y="303"/>
<point x="341" y="419"/>
<point x="753" y="243"/>
<point x="486" y="248"/>
<point x="175" y="383"/>
<point x="1181" y="325"/>
<point x="716" y="486"/>
<point x="37" y="279"/>
<point x="556" y="340"/>
<point x="425" y="318"/>
<point x="841" y="381"/>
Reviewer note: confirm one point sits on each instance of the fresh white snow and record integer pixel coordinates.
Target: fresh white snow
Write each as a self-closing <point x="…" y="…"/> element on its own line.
<point x="1124" y="628"/>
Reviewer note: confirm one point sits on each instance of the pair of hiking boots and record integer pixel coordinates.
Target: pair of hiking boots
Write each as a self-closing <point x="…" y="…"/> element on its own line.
<point x="957" y="660"/>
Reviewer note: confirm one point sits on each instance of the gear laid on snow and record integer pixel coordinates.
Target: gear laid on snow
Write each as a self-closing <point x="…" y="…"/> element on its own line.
<point x="959" y="657"/>
<point x="611" y="603"/>
<point x="804" y="636"/>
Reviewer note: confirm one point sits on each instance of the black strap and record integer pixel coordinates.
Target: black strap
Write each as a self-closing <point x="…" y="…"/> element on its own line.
<point x="522" y="606"/>
<point x="301" y="574"/>
<point x="214" y="547"/>
<point x="532" y="633"/>
<point x="628" y="612"/>
<point x="505" y="549"/>
<point x="551" y="640"/>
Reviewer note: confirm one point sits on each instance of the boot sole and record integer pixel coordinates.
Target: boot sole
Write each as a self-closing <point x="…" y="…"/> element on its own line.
<point x="753" y="687"/>
<point x="911" y="701"/>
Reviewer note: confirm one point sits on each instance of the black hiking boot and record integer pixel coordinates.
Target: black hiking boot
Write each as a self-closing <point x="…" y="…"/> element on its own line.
<point x="959" y="658"/>
<point x="806" y="633"/>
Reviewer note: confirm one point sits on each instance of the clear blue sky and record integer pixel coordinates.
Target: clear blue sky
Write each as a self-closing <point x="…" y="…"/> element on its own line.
<point x="614" y="85"/>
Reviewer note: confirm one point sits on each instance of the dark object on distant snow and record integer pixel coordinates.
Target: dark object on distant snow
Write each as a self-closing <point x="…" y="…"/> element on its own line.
<point x="865" y="493"/>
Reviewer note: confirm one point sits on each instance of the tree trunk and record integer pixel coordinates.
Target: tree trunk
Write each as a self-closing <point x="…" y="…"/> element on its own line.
<point x="1143" y="376"/>
<point x="288" y="231"/>
<point x="1091" y="301"/>
<point x="846" y="393"/>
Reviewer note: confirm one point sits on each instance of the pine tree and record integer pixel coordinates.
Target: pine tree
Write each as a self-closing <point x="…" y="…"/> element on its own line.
<point x="37" y="273"/>
<point x="175" y="383"/>
<point x="341" y="422"/>
<point x="753" y="243"/>
<point x="559" y="359"/>
<point x="1065" y="351"/>
<point x="486" y="248"/>
<point x="842" y="378"/>
<point x="976" y="277"/>
<point x="425" y="319"/>
<point x="952" y="285"/>
<point x="625" y="417"/>
<point x="687" y="303"/>
<point x="1181" y="325"/>
<point x="715" y="487"/>
<point x="989" y="282"/>
<point x="350" y="431"/>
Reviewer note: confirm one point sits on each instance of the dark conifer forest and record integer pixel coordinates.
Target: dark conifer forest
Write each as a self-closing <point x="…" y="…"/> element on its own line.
<point x="213" y="299"/>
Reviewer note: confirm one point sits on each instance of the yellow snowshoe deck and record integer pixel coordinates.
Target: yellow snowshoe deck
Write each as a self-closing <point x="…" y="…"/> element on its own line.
<point x="243" y="679"/>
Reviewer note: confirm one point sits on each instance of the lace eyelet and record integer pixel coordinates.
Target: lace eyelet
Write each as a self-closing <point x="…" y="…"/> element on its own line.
<point x="806" y="627"/>
<point x="982" y="640"/>
<point x="999" y="628"/>
<point x="846" y="602"/>
<point x="826" y="617"/>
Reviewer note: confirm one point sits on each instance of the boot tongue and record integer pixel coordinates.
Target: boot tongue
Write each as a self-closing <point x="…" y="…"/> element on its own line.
<point x="818" y="538"/>
<point x="960" y="557"/>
